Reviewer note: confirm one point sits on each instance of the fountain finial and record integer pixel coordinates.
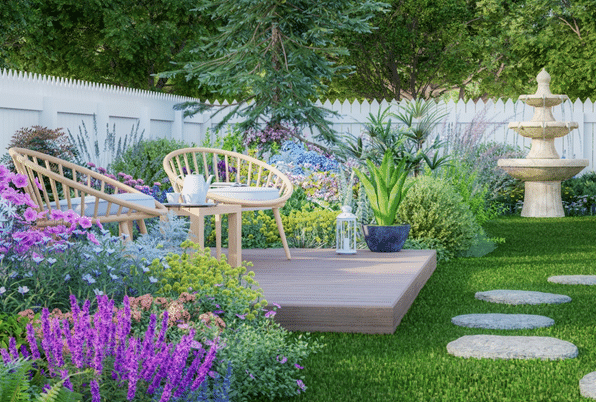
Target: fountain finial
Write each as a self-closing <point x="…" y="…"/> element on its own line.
<point x="543" y="79"/>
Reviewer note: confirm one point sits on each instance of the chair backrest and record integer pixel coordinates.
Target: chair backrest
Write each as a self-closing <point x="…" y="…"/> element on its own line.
<point x="57" y="184"/>
<point x="227" y="167"/>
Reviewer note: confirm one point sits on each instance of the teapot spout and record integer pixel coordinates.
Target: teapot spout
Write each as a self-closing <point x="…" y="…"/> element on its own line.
<point x="209" y="180"/>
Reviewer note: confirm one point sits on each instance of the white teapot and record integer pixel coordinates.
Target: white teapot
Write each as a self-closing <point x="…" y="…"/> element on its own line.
<point x="194" y="189"/>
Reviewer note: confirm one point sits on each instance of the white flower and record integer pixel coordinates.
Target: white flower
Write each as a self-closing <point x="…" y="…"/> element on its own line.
<point x="23" y="289"/>
<point x="145" y="269"/>
<point x="67" y="277"/>
<point x="2" y="290"/>
<point x="98" y="249"/>
<point x="114" y="277"/>
<point x="88" y="278"/>
<point x="98" y="292"/>
<point x="152" y="279"/>
<point x="51" y="261"/>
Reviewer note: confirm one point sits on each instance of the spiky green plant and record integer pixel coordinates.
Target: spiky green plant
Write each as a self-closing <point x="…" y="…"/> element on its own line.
<point x="385" y="188"/>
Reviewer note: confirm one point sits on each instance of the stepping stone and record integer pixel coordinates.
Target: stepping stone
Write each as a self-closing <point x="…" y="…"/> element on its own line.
<point x="503" y="321"/>
<point x="587" y="385"/>
<point x="512" y="347"/>
<point x="574" y="279"/>
<point x="516" y="297"/>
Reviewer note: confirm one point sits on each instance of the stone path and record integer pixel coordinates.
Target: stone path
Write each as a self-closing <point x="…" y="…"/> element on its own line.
<point x="516" y="297"/>
<point x="520" y="347"/>
<point x="587" y="385"/>
<point x="503" y="321"/>
<point x="574" y="279"/>
<point x="512" y="347"/>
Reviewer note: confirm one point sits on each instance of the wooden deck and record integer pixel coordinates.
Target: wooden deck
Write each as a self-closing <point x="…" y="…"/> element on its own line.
<point x="320" y="290"/>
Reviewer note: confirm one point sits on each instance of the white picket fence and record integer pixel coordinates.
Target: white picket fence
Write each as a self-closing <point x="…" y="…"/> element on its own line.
<point x="30" y="99"/>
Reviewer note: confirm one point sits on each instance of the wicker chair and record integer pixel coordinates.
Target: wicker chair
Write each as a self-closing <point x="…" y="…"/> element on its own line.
<point x="61" y="185"/>
<point x="238" y="179"/>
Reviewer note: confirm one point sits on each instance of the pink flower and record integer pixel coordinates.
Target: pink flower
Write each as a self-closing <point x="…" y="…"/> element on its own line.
<point x="270" y="314"/>
<point x="85" y="222"/>
<point x="99" y="224"/>
<point x="56" y="215"/>
<point x="91" y="237"/>
<point x="30" y="214"/>
<point x="39" y="186"/>
<point x="20" y="181"/>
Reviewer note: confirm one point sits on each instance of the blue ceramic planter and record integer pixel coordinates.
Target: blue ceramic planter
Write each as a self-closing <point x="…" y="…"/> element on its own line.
<point x="385" y="239"/>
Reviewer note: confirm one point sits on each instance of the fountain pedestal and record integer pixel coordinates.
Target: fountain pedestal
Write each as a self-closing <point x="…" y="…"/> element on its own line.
<point x="542" y="170"/>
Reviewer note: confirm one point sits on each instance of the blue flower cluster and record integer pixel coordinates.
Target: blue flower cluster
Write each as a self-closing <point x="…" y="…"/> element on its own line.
<point x="294" y="153"/>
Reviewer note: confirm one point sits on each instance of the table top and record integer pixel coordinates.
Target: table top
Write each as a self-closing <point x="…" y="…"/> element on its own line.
<point x="184" y="205"/>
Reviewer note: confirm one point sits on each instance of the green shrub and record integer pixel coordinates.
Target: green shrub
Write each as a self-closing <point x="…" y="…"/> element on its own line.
<point x="476" y="194"/>
<point x="233" y="290"/>
<point x="145" y="160"/>
<point x="267" y="360"/>
<point x="13" y="326"/>
<point x="436" y="211"/>
<point x="310" y="227"/>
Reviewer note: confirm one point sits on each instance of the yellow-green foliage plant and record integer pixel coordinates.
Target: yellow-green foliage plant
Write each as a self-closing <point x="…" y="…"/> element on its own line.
<point x="259" y="230"/>
<point x="436" y="211"/>
<point x="231" y="290"/>
<point x="308" y="228"/>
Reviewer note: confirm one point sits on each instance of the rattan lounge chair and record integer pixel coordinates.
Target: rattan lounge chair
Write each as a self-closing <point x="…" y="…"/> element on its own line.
<point x="238" y="179"/>
<point x="57" y="184"/>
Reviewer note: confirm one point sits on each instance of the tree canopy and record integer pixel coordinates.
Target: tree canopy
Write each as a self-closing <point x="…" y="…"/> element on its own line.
<point x="274" y="57"/>
<point x="120" y="42"/>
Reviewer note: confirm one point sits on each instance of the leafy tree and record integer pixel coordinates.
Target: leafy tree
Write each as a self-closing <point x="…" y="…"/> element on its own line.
<point x="532" y="34"/>
<point x="12" y="25"/>
<point x="120" y="42"/>
<point x="274" y="56"/>
<point x="421" y="49"/>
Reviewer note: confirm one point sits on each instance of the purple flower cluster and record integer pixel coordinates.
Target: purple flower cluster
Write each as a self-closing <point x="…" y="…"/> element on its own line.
<point x="103" y="343"/>
<point x="139" y="184"/>
<point x="268" y="136"/>
<point x="20" y="236"/>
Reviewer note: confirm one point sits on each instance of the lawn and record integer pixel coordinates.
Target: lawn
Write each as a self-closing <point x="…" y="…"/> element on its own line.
<point x="413" y="364"/>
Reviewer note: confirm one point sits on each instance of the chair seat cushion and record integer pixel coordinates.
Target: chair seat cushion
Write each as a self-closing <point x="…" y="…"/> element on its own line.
<point x="246" y="193"/>
<point x="141" y="199"/>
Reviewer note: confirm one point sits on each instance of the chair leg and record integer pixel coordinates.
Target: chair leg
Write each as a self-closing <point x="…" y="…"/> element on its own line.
<point x="124" y="230"/>
<point x="282" y="234"/>
<point x="142" y="227"/>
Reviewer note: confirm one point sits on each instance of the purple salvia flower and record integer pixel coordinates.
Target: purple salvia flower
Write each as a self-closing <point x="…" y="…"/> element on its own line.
<point x="57" y="344"/>
<point x="5" y="356"/>
<point x="160" y="372"/>
<point x="12" y="347"/>
<point x="132" y="368"/>
<point x="162" y="334"/>
<point x="95" y="397"/>
<point x="25" y="352"/>
<point x="205" y="367"/>
<point x="46" y="340"/>
<point x="126" y="322"/>
<point x="64" y="376"/>
<point x="148" y="349"/>
<point x="178" y="362"/>
<point x="32" y="342"/>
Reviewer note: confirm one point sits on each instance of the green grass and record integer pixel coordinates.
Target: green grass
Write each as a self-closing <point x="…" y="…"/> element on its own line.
<point x="413" y="364"/>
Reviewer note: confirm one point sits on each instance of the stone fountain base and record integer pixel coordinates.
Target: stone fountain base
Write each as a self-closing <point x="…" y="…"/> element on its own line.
<point x="543" y="200"/>
<point x="542" y="179"/>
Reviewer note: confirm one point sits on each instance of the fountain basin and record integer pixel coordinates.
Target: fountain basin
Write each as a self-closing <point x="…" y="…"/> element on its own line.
<point x="543" y="129"/>
<point x="543" y="169"/>
<point x="543" y="100"/>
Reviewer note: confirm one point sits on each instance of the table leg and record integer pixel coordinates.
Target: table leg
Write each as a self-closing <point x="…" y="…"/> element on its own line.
<point x="197" y="229"/>
<point x="235" y="239"/>
<point x="217" y="236"/>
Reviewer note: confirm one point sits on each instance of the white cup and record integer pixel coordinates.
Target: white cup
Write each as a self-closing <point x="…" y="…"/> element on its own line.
<point x="194" y="198"/>
<point x="173" y="198"/>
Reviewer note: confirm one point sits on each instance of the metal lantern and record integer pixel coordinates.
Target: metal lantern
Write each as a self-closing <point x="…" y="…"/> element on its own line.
<point x="345" y="235"/>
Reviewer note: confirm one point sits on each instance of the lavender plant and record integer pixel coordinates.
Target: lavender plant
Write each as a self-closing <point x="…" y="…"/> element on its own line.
<point x="117" y="365"/>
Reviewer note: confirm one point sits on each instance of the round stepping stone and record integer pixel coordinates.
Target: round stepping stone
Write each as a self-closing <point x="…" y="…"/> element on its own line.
<point x="574" y="279"/>
<point x="516" y="297"/>
<point x="503" y="321"/>
<point x="587" y="385"/>
<point x="512" y="347"/>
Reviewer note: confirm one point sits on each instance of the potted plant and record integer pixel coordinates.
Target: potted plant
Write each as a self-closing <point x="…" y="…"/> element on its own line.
<point x="386" y="187"/>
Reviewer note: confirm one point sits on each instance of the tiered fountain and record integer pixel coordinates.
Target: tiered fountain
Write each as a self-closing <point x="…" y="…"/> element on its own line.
<point x="542" y="170"/>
